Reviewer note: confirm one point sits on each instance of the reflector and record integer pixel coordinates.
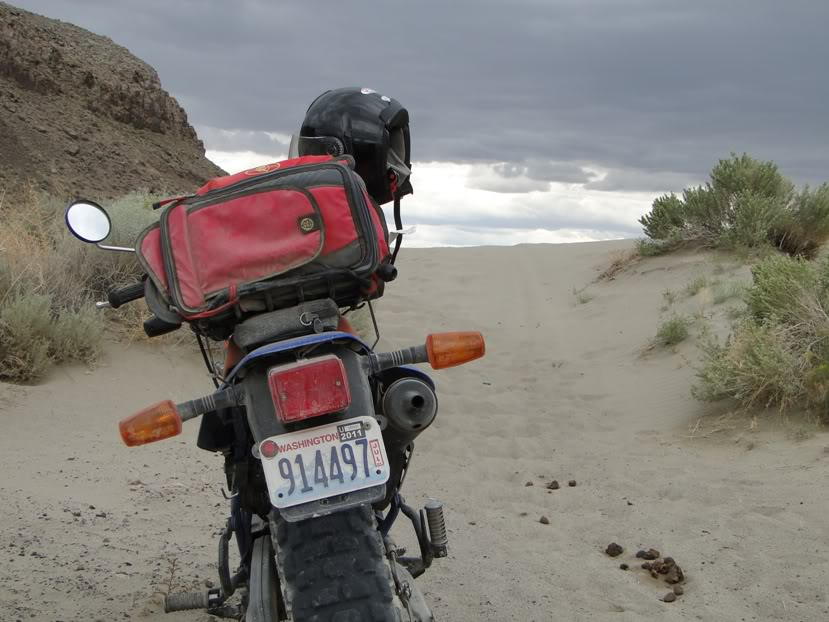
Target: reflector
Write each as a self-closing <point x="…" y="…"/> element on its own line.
<point x="452" y="349"/>
<point x="268" y="448"/>
<point x="309" y="388"/>
<point x="154" y="423"/>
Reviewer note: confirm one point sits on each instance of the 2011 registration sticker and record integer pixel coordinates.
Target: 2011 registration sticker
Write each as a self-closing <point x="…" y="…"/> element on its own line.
<point x="326" y="461"/>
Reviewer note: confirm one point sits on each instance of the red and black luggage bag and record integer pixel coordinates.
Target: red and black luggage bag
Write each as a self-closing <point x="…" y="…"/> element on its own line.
<point x="268" y="238"/>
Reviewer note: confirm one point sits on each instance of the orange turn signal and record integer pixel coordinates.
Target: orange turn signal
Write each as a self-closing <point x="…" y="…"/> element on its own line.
<point x="451" y="349"/>
<point x="154" y="423"/>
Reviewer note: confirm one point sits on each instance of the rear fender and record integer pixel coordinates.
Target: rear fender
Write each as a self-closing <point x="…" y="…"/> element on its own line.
<point x="298" y="343"/>
<point x="261" y="413"/>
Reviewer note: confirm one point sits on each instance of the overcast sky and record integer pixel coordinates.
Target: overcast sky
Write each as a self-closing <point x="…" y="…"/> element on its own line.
<point x="541" y="120"/>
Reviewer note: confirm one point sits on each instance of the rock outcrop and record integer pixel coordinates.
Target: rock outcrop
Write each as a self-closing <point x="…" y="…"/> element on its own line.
<point x="80" y="115"/>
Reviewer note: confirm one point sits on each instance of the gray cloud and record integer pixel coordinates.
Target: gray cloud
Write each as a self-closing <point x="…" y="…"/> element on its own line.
<point x="643" y="181"/>
<point x="248" y="140"/>
<point x="639" y="85"/>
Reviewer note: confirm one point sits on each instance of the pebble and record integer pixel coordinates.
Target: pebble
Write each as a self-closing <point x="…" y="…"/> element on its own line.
<point x="553" y="485"/>
<point x="624" y="566"/>
<point x="529" y="484"/>
<point x="572" y="483"/>
<point x="669" y="597"/>
<point x="650" y="554"/>
<point x="544" y="520"/>
<point x="614" y="550"/>
<point x="678" y="590"/>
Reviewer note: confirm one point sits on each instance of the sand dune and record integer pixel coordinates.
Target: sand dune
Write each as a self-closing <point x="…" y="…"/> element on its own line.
<point x="567" y="391"/>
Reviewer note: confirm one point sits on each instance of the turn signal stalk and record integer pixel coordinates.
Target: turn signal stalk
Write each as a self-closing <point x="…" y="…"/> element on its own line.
<point x="154" y="423"/>
<point x="441" y="350"/>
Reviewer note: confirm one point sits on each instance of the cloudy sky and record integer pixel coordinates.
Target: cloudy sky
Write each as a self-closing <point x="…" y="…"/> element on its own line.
<point x="532" y="120"/>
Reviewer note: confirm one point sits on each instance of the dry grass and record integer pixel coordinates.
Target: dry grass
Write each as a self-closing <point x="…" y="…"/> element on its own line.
<point x="49" y="280"/>
<point x="620" y="261"/>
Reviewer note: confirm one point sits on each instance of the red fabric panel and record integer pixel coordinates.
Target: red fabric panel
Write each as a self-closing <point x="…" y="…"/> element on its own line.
<point x="221" y="182"/>
<point x="192" y="294"/>
<point x="340" y="230"/>
<point x="382" y="245"/>
<point x="239" y="241"/>
<point x="151" y="252"/>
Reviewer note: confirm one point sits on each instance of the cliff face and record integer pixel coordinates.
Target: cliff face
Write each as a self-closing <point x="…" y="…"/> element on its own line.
<point x="80" y="115"/>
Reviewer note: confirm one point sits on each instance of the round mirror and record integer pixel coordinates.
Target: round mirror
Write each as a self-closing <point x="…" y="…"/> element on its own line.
<point x="88" y="221"/>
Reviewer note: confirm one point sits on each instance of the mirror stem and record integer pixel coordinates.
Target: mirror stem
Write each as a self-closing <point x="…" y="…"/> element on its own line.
<point x="120" y="249"/>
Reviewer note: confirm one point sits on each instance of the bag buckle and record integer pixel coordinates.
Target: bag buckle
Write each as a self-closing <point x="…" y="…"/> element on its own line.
<point x="311" y="319"/>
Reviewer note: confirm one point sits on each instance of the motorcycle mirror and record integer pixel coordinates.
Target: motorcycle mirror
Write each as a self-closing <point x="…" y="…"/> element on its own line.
<point x="88" y="221"/>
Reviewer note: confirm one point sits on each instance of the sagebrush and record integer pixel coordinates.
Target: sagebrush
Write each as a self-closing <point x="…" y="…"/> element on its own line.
<point x="778" y="353"/>
<point x="746" y="204"/>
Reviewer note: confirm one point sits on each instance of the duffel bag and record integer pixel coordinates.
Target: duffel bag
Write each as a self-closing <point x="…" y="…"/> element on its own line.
<point x="283" y="223"/>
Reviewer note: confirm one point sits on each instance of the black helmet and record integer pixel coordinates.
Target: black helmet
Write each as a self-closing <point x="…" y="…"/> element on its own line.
<point x="367" y="125"/>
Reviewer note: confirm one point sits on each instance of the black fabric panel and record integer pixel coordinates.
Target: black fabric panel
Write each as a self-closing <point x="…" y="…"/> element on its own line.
<point x="285" y="323"/>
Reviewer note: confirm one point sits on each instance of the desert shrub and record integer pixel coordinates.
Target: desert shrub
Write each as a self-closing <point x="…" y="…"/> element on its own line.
<point x="619" y="261"/>
<point x="746" y="203"/>
<point x="780" y="285"/>
<point x="758" y="365"/>
<point x="652" y="248"/>
<point x="723" y="291"/>
<point x="49" y="279"/>
<point x="582" y="296"/>
<point x="673" y="330"/>
<point x="695" y="285"/>
<point x="778" y="352"/>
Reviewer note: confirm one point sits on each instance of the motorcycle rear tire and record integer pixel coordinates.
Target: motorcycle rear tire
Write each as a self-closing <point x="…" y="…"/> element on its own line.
<point x="334" y="569"/>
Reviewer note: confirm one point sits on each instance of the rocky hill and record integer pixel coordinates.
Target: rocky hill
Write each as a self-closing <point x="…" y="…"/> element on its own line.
<point x="80" y="115"/>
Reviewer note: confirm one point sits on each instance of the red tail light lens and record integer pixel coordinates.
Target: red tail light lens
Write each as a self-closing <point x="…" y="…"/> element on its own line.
<point x="309" y="388"/>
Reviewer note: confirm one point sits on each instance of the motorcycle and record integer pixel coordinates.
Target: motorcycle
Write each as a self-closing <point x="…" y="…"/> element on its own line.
<point x="317" y="431"/>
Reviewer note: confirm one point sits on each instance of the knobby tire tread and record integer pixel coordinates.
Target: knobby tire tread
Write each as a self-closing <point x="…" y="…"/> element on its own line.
<point x="333" y="569"/>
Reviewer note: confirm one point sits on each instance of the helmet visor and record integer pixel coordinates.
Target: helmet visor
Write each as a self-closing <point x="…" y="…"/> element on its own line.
<point x="396" y="163"/>
<point x="396" y="158"/>
<point x="308" y="146"/>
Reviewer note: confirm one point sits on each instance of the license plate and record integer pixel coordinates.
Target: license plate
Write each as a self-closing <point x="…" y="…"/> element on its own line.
<point x="325" y="462"/>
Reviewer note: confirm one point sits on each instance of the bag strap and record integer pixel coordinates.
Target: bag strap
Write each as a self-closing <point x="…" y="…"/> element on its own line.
<point x="163" y="202"/>
<point x="398" y="222"/>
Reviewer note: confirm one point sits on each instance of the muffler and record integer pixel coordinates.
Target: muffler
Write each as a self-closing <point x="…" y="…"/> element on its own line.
<point x="410" y="406"/>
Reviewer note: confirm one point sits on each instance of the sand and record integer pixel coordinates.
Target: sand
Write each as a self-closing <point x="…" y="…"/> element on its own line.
<point x="94" y="531"/>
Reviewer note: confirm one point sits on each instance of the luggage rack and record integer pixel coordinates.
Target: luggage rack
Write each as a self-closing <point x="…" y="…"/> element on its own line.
<point x="344" y="287"/>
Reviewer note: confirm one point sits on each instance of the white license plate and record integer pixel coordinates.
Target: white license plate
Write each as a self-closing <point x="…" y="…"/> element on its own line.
<point x="326" y="461"/>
